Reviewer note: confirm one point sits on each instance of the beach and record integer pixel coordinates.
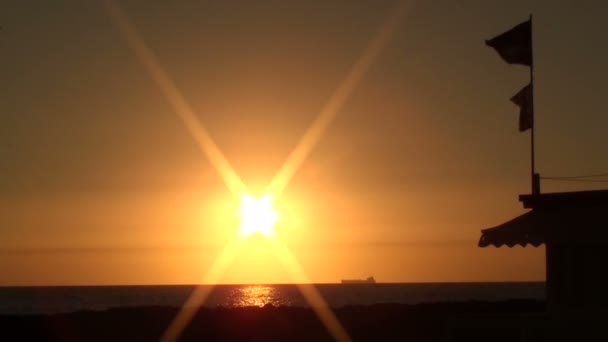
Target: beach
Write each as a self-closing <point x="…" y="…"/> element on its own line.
<point x="381" y="322"/>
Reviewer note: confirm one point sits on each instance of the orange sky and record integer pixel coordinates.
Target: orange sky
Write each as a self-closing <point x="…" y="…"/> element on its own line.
<point x="101" y="183"/>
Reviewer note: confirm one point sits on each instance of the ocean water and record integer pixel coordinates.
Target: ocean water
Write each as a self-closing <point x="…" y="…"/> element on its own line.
<point x="36" y="300"/>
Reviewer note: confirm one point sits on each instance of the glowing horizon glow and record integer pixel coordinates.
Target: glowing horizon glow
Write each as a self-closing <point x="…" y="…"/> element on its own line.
<point x="257" y="216"/>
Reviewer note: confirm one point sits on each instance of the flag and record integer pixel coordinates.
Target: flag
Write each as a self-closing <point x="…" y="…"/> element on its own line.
<point x="524" y="99"/>
<point x="515" y="45"/>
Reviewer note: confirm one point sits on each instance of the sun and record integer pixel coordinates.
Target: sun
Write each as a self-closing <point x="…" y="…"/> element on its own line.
<point x="257" y="215"/>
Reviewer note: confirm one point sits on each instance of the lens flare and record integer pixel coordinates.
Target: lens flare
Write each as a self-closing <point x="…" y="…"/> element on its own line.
<point x="257" y="214"/>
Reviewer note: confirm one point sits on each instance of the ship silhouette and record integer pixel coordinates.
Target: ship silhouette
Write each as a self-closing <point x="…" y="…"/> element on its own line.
<point x="368" y="280"/>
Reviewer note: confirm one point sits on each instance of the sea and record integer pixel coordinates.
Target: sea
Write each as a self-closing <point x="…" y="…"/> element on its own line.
<point x="61" y="299"/>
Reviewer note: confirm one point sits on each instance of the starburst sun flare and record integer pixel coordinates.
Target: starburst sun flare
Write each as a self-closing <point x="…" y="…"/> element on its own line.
<point x="257" y="215"/>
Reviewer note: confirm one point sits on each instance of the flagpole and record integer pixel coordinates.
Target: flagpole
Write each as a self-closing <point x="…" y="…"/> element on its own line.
<point x="535" y="179"/>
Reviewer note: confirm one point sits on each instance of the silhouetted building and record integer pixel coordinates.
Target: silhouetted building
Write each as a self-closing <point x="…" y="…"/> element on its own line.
<point x="574" y="228"/>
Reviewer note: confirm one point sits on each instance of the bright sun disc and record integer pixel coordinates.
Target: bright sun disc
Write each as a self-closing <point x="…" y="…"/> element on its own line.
<point x="257" y="215"/>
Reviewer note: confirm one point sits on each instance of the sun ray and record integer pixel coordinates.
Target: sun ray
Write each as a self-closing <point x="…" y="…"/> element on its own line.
<point x="182" y="108"/>
<point x="232" y="249"/>
<point x="309" y="291"/>
<point x="314" y="133"/>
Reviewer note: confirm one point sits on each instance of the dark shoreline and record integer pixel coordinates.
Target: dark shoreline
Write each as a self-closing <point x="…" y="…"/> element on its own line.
<point x="380" y="322"/>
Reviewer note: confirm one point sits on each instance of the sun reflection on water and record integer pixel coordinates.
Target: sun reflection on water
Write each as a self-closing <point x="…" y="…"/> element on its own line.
<point x="254" y="295"/>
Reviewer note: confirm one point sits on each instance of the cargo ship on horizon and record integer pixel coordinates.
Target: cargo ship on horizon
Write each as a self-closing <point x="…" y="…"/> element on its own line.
<point x="369" y="280"/>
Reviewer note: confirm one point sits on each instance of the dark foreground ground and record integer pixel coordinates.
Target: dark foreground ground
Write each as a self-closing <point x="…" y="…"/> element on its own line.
<point x="387" y="322"/>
